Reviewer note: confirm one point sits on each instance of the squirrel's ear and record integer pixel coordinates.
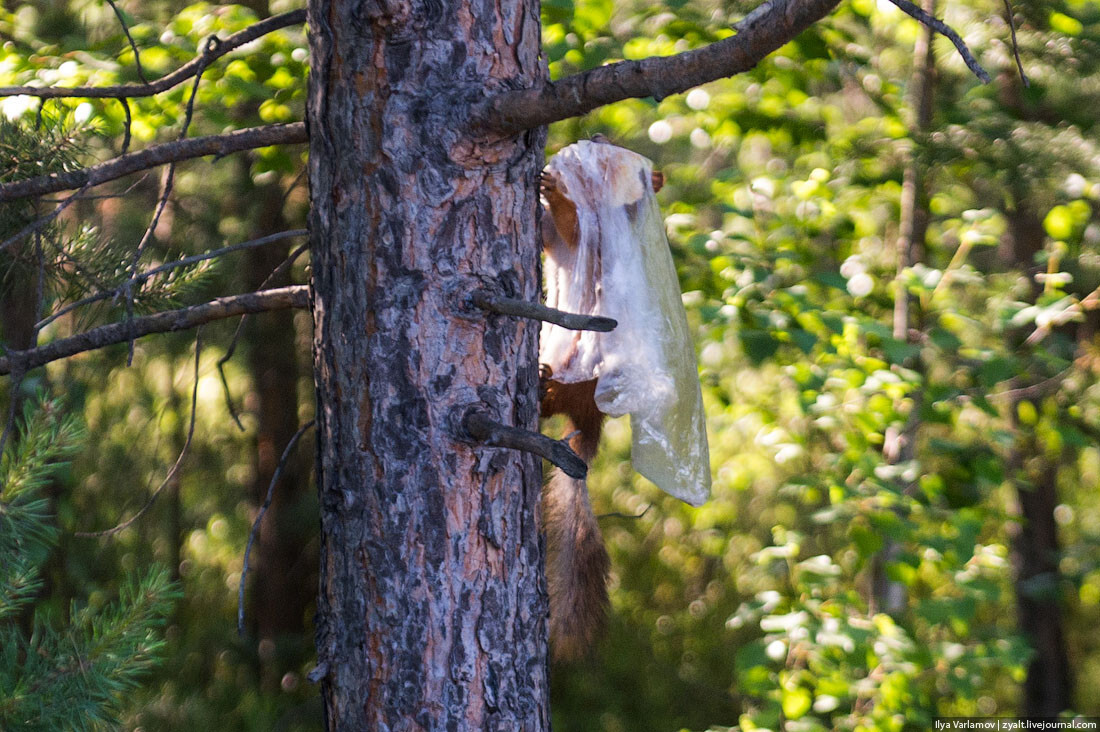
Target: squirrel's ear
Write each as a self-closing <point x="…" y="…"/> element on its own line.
<point x="658" y="180"/>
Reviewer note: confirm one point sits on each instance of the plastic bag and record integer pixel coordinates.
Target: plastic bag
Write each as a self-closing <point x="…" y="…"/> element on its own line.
<point x="621" y="268"/>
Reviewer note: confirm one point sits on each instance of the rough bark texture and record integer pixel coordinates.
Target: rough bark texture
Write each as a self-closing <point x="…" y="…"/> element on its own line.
<point x="432" y="613"/>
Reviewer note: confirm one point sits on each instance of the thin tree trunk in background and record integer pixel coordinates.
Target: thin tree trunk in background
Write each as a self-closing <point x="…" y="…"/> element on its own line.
<point x="175" y="504"/>
<point x="1048" y="689"/>
<point x="899" y="444"/>
<point x="285" y="556"/>
<point x="18" y="305"/>
<point x="432" y="607"/>
<point x="18" y="313"/>
<point x="284" y="588"/>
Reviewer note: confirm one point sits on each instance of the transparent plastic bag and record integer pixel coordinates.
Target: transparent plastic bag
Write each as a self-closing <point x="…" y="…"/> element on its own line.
<point x="621" y="268"/>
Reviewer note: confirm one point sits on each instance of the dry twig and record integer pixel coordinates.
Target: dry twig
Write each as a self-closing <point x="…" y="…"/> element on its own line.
<point x="164" y="83"/>
<point x="494" y="434"/>
<point x="296" y="296"/>
<point x="260" y="517"/>
<point x="535" y="311"/>
<point x="915" y="12"/>
<point x="175" y="467"/>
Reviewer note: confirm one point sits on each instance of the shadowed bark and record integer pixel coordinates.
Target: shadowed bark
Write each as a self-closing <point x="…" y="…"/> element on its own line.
<point x="432" y="610"/>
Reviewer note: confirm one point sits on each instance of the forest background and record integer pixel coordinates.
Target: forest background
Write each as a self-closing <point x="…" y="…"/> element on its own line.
<point x="891" y="271"/>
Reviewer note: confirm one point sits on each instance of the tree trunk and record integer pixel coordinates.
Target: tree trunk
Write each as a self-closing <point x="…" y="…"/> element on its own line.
<point x="284" y="568"/>
<point x="899" y="444"/>
<point x="1048" y="689"/>
<point x="432" y="607"/>
<point x="18" y="314"/>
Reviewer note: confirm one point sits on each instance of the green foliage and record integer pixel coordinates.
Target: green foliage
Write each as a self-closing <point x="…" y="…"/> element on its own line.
<point x="782" y="200"/>
<point x="782" y="189"/>
<point x="26" y="534"/>
<point x="70" y="676"/>
<point x="53" y="148"/>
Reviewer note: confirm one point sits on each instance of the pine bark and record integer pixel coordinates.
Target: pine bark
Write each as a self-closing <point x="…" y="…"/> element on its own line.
<point x="432" y="607"/>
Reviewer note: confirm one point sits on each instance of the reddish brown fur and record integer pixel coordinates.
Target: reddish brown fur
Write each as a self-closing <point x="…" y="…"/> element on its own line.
<point x="562" y="210"/>
<point x="577" y="563"/>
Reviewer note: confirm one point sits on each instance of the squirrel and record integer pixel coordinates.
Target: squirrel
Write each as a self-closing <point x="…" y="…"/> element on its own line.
<point x="577" y="562"/>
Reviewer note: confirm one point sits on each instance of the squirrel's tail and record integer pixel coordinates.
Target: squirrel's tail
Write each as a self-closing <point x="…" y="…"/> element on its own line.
<point x="576" y="567"/>
<point x="576" y="560"/>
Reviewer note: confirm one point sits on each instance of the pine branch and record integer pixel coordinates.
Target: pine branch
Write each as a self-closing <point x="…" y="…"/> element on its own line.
<point x="141" y="277"/>
<point x="150" y="157"/>
<point x="75" y="679"/>
<point x="295" y="296"/>
<point x="211" y="52"/>
<point x="47" y="438"/>
<point x="764" y="30"/>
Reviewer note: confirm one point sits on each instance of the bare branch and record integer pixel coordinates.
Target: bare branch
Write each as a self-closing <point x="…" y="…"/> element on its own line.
<point x="765" y="29"/>
<point x="173" y="472"/>
<point x="489" y="432"/>
<point x="260" y="517"/>
<point x="183" y="73"/>
<point x="295" y="296"/>
<point x="277" y="272"/>
<point x="523" y="309"/>
<point x="631" y="516"/>
<point x="1038" y="390"/>
<point x="150" y="157"/>
<point x="130" y="38"/>
<point x="162" y="203"/>
<point x="127" y="125"/>
<point x="1016" y="46"/>
<point x="1073" y="312"/>
<point x="914" y="11"/>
